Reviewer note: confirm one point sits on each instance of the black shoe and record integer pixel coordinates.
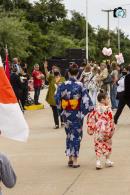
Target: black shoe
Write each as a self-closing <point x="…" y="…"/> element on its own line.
<point x="37" y="103"/>
<point x="75" y="166"/>
<point x="115" y="121"/>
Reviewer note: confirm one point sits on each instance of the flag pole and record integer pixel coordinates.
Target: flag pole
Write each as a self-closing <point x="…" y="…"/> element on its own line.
<point x="7" y="68"/>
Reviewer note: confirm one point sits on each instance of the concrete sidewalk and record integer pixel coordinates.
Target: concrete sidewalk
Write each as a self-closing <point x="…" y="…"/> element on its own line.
<point x="41" y="168"/>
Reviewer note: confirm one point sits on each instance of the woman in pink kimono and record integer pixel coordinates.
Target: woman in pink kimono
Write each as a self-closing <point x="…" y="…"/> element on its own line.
<point x="100" y="123"/>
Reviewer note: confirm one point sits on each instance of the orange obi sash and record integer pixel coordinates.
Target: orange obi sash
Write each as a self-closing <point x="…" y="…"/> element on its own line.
<point x="71" y="104"/>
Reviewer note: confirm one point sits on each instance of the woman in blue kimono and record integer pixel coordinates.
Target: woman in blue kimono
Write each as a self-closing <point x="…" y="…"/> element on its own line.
<point x="73" y="98"/>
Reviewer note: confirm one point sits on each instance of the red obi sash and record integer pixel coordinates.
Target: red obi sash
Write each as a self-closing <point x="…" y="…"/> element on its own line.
<point x="71" y="104"/>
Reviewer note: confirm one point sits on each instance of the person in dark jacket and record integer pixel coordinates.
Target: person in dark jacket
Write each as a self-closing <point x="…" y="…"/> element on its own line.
<point x="24" y="77"/>
<point x="123" y="93"/>
<point x="16" y="83"/>
<point x="127" y="85"/>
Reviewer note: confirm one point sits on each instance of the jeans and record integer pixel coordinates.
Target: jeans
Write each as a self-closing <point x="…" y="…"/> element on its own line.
<point x="113" y="94"/>
<point x="36" y="94"/>
<point x="56" y="115"/>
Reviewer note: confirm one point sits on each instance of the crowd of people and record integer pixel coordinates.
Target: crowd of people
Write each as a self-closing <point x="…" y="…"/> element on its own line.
<point x="93" y="76"/>
<point x="20" y="79"/>
<point x="91" y="89"/>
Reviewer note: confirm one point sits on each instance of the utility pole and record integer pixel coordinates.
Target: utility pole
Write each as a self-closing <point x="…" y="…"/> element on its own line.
<point x="87" y="30"/>
<point x="108" y="24"/>
<point x="119" y="39"/>
<point x="119" y="13"/>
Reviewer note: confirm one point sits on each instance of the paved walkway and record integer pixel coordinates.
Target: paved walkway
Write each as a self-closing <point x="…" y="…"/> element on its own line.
<point x="41" y="168"/>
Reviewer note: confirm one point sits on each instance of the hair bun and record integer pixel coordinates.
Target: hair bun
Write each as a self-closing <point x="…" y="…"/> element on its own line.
<point x="74" y="65"/>
<point x="73" y="69"/>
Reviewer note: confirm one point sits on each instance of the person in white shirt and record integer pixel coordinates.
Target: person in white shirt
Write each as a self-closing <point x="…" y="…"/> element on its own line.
<point x="121" y="85"/>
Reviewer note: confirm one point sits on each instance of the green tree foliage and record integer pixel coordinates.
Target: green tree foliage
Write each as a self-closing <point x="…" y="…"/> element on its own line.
<point x="74" y="27"/>
<point x="37" y="43"/>
<point x="15" y="36"/>
<point x="9" y="5"/>
<point x="45" y="12"/>
<point x="6" y="5"/>
<point x="57" y="44"/>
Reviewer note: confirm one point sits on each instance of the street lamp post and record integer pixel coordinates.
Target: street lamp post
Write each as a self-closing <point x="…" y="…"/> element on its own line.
<point x="119" y="40"/>
<point x="108" y="24"/>
<point x="119" y="13"/>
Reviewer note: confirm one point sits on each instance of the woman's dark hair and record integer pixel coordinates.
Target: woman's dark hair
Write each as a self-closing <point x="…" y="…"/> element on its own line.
<point x="101" y="96"/>
<point x="74" y="69"/>
<point x="56" y="73"/>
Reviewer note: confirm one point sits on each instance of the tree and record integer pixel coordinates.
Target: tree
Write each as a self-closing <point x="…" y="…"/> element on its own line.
<point x="9" y="5"/>
<point x="46" y="12"/>
<point x="37" y="44"/>
<point x="15" y="36"/>
<point x="6" y="5"/>
<point x="73" y="27"/>
<point x="22" y="4"/>
<point x="56" y="45"/>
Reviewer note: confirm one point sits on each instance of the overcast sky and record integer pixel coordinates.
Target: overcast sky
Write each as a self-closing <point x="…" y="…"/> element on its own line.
<point x="97" y="17"/>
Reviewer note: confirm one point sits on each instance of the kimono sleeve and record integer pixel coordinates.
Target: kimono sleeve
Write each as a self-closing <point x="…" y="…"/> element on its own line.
<point x="91" y="121"/>
<point x="111" y="122"/>
<point x="58" y="97"/>
<point x="86" y="102"/>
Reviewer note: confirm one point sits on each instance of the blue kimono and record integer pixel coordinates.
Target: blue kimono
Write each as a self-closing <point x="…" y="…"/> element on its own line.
<point x="73" y="113"/>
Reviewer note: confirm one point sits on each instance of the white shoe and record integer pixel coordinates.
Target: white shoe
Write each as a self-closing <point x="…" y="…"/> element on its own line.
<point x="109" y="163"/>
<point x="98" y="165"/>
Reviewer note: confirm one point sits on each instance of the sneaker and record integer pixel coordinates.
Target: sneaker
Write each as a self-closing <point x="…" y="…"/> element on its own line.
<point x="98" y="165"/>
<point x="109" y="163"/>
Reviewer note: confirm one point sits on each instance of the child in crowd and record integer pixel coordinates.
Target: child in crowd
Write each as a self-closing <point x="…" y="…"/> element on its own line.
<point x="100" y="123"/>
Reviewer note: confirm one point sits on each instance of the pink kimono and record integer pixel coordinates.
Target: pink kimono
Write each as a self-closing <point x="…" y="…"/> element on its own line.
<point x="100" y="123"/>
